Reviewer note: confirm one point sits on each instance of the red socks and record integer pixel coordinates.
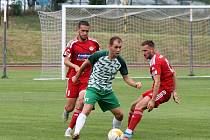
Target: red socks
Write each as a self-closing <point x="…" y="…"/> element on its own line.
<point x="74" y="117"/>
<point x="135" y="119"/>
<point x="130" y="114"/>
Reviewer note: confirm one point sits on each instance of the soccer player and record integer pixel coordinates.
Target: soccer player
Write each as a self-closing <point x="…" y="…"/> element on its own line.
<point x="163" y="87"/>
<point x="105" y="64"/>
<point x="76" y="52"/>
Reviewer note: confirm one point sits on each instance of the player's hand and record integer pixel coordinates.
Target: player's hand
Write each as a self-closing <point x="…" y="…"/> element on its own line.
<point x="151" y="105"/>
<point x="138" y="85"/>
<point x="176" y="97"/>
<point x="74" y="79"/>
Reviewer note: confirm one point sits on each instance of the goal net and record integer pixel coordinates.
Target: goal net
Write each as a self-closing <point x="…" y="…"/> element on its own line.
<point x="181" y="33"/>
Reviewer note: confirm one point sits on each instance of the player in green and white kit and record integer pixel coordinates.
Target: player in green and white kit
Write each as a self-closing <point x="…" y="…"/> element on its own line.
<point x="105" y="64"/>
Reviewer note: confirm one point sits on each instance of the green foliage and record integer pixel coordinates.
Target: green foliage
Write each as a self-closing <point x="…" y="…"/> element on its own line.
<point x="97" y="2"/>
<point x="16" y="8"/>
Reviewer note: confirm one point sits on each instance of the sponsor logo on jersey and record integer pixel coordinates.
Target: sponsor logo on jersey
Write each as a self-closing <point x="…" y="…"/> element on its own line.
<point x="82" y="56"/>
<point x="91" y="48"/>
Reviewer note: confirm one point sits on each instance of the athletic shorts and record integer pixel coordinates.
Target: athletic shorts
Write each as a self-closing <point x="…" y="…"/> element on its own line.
<point x="106" y="99"/>
<point x="73" y="89"/>
<point x="162" y="96"/>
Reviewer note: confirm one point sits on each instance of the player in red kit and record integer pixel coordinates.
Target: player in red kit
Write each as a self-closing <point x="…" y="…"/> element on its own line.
<point x="164" y="85"/>
<point x="76" y="52"/>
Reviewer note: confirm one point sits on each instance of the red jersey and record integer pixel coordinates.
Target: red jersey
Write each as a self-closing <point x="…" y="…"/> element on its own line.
<point x="78" y="52"/>
<point x="159" y="65"/>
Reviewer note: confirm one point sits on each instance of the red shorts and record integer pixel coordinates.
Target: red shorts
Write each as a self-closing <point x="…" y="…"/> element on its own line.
<point x="73" y="89"/>
<point x="162" y="96"/>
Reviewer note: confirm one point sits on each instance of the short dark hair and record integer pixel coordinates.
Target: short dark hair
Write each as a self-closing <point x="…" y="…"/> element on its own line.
<point x="83" y="22"/>
<point x="149" y="43"/>
<point x="113" y="39"/>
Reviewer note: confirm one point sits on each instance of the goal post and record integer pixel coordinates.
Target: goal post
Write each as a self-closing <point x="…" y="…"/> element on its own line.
<point x="180" y="32"/>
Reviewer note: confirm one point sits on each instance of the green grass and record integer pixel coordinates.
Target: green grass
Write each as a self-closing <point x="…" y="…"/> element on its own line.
<point x="23" y="40"/>
<point x="31" y="110"/>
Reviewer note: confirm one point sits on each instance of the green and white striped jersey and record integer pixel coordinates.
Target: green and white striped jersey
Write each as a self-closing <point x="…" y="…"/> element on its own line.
<point x="104" y="70"/>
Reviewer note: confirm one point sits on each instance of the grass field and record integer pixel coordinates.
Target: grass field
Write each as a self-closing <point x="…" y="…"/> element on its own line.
<point x="23" y="40"/>
<point x="32" y="110"/>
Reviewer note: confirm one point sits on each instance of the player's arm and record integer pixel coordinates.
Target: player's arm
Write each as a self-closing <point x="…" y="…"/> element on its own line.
<point x="81" y="70"/>
<point x="156" y="86"/>
<point x="151" y="103"/>
<point x="175" y="95"/>
<point x="67" y="57"/>
<point x="124" y="73"/>
<point x="131" y="82"/>
<point x="68" y="63"/>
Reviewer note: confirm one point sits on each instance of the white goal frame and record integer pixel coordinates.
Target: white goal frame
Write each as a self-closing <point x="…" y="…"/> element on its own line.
<point x="64" y="6"/>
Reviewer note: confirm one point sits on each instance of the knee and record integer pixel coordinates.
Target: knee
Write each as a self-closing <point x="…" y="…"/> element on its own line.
<point x="140" y="105"/>
<point x="119" y="116"/>
<point x="80" y="104"/>
<point x="80" y="101"/>
<point x="132" y="107"/>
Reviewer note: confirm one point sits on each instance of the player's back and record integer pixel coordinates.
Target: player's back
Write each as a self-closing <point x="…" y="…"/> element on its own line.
<point x="165" y="71"/>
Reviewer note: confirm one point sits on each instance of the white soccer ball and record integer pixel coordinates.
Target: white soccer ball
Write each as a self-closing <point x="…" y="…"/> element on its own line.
<point x="115" y="134"/>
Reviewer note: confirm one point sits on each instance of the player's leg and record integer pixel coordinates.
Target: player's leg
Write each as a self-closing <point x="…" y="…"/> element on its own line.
<point x="137" y="114"/>
<point x="77" y="111"/>
<point x="118" y="117"/>
<point x="69" y="106"/>
<point x="71" y="96"/>
<point x="80" y="122"/>
<point x="89" y="101"/>
<point x="162" y="96"/>
<point x="133" y="104"/>
<point x="110" y="102"/>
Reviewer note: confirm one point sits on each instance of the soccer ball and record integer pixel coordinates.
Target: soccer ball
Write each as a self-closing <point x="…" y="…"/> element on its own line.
<point x="115" y="134"/>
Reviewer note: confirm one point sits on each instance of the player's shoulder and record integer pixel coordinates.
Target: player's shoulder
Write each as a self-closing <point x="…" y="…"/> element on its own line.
<point x="71" y="42"/>
<point x="159" y="57"/>
<point x="99" y="54"/>
<point x="93" y="40"/>
<point x="120" y="59"/>
<point x="102" y="53"/>
<point x="155" y="59"/>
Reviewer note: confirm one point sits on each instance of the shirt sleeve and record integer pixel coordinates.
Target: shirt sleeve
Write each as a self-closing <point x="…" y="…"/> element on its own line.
<point x="67" y="52"/>
<point x="69" y="49"/>
<point x="123" y="69"/>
